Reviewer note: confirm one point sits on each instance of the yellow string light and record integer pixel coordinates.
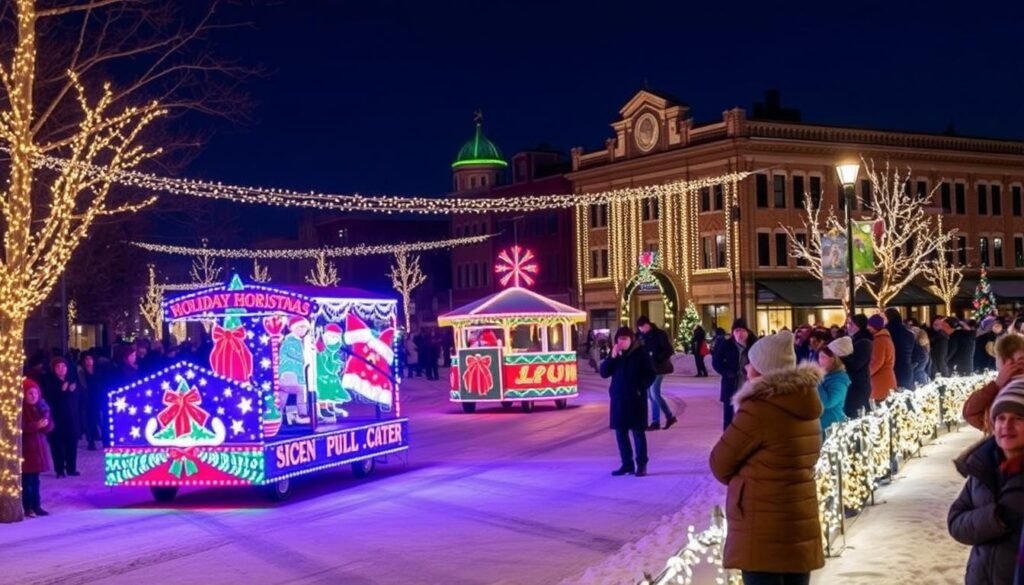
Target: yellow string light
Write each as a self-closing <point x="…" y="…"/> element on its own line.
<point x="311" y="253"/>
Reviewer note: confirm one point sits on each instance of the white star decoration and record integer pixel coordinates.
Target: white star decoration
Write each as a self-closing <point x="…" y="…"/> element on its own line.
<point x="132" y="410"/>
<point x="249" y="335"/>
<point x="165" y="386"/>
<point x="190" y="374"/>
<point x="149" y="393"/>
<point x="266" y="386"/>
<point x="220" y="410"/>
<point x="245" y="405"/>
<point x="227" y="393"/>
<point x="136" y="432"/>
<point x="202" y="381"/>
<point x="120" y="404"/>
<point x="265" y="363"/>
<point x="264" y="339"/>
<point x="236" y="427"/>
<point x="148" y="409"/>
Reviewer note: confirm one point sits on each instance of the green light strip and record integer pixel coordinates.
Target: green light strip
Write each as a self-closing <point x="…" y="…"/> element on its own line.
<point x="544" y="358"/>
<point x="542" y="392"/>
<point x="480" y="161"/>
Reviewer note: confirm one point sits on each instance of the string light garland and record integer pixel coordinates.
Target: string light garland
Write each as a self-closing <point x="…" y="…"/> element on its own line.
<point x="373" y="203"/>
<point x="313" y="253"/>
<point x="855" y="456"/>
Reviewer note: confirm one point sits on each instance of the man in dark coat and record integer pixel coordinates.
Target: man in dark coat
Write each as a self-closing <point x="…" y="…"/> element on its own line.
<point x="656" y="343"/>
<point x="903" y="342"/>
<point x="939" y="339"/>
<point x="632" y="372"/>
<point x="858" y="367"/>
<point x="961" y="348"/>
<point x="61" y="393"/>
<point x="730" y="361"/>
<point x="697" y="345"/>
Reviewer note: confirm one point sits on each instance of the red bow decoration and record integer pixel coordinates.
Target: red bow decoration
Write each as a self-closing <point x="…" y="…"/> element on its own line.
<point x="230" y="356"/>
<point x="477" y="377"/>
<point x="183" y="460"/>
<point x="221" y="334"/>
<point x="183" y="409"/>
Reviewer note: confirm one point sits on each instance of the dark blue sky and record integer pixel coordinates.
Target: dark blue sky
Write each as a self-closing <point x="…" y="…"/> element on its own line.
<point x="377" y="97"/>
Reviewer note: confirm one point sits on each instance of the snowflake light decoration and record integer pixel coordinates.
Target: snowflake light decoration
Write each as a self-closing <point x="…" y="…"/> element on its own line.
<point x="517" y="265"/>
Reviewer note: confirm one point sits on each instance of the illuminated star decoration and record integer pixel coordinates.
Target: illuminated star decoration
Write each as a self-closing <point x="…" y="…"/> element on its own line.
<point x="245" y="405"/>
<point x="121" y="404"/>
<point x="237" y="427"/>
<point x="518" y="266"/>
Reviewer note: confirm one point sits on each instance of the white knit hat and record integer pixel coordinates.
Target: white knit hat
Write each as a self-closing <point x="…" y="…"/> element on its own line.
<point x="1010" y="399"/>
<point x="841" y="346"/>
<point x="773" y="352"/>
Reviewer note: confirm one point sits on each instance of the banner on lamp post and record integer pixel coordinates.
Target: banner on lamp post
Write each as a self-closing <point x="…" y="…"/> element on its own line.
<point x="864" y="234"/>
<point x="834" y="289"/>
<point x="833" y="256"/>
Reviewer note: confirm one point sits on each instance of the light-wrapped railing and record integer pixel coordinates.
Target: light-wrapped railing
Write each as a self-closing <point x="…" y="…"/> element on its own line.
<point x="856" y="457"/>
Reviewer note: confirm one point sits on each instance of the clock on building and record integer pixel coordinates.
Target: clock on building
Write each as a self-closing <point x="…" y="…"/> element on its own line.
<point x="646" y="133"/>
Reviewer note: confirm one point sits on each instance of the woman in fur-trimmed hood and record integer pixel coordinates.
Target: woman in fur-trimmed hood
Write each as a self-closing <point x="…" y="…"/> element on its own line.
<point x="767" y="456"/>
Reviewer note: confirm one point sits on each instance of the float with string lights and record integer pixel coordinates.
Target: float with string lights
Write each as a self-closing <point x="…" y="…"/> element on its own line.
<point x="514" y="345"/>
<point x="296" y="381"/>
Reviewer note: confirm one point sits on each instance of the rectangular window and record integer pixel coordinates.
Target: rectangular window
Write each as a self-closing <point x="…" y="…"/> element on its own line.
<point x="645" y="211"/>
<point x="982" y="199"/>
<point x="599" y="263"/>
<point x="959" y="191"/>
<point x="720" y="248"/>
<point x="705" y="199"/>
<point x="781" y="251"/>
<point x="983" y="250"/>
<point x="922" y="190"/>
<point x="458" y="273"/>
<point x="476" y="275"/>
<point x="816" y="192"/>
<point x="962" y="250"/>
<point x="997" y="252"/>
<point x="802" y="240"/>
<point x="719" y="201"/>
<point x="764" y="255"/>
<point x="798" y="192"/>
<point x="761" y="181"/>
<point x="599" y="216"/>
<point x="997" y="200"/>
<point x="655" y="211"/>
<point x="780" y="191"/>
<point x="705" y="252"/>
<point x="865" y="193"/>
<point x="604" y="262"/>
<point x="1018" y="251"/>
<point x="946" y="194"/>
<point x="1016" y="203"/>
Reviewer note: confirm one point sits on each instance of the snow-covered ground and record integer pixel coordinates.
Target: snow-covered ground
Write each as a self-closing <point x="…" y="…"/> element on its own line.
<point x="903" y="539"/>
<point x="495" y="497"/>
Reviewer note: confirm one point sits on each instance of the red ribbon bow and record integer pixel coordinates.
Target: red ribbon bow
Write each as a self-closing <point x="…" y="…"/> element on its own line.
<point x="220" y="333"/>
<point x="178" y="454"/>
<point x="477" y="376"/>
<point x="182" y="409"/>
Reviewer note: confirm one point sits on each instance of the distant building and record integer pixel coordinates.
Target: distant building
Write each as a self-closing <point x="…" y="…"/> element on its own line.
<point x="723" y="248"/>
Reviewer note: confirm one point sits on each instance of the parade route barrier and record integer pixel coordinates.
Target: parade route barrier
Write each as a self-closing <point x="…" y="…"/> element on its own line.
<point x="857" y="456"/>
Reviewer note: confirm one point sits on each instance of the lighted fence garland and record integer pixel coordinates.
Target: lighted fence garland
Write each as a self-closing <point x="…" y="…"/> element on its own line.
<point x="855" y="457"/>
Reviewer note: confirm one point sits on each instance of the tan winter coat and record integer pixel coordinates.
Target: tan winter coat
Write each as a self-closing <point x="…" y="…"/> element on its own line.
<point x="767" y="457"/>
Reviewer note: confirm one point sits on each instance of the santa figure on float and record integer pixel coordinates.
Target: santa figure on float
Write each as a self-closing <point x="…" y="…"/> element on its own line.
<point x="368" y="370"/>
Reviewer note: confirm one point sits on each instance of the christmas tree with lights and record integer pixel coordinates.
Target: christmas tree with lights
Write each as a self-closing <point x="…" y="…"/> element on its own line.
<point x="690" y="321"/>
<point x="984" y="298"/>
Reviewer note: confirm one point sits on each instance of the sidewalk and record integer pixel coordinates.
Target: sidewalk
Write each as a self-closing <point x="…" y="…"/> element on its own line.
<point x="903" y="539"/>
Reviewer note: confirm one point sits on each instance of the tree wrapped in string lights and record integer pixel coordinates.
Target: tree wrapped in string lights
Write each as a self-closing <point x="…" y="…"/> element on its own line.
<point x="406" y="275"/>
<point x="151" y="305"/>
<point x="325" y="273"/>
<point x="46" y="215"/>
<point x="945" y="275"/>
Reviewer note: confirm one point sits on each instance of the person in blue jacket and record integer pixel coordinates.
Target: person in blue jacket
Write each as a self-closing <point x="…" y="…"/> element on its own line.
<point x="833" y="387"/>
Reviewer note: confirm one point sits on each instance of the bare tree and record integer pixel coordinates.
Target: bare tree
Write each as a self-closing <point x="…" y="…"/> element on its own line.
<point x="406" y="275"/>
<point x="204" y="270"/>
<point x="62" y="95"/>
<point x="944" y="273"/>
<point x="909" y="237"/>
<point x="325" y="273"/>
<point x="260" y="274"/>
<point x="151" y="306"/>
<point x="808" y="250"/>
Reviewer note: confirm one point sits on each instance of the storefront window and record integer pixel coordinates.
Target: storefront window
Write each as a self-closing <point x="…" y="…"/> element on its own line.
<point x="773" y="319"/>
<point x="716" y="316"/>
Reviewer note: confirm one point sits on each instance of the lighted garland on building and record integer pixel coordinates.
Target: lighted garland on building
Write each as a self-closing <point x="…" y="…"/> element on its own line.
<point x="861" y="451"/>
<point x="312" y="253"/>
<point x="376" y="203"/>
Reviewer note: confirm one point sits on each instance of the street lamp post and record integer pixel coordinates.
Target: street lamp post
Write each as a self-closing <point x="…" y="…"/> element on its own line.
<point x="848" y="177"/>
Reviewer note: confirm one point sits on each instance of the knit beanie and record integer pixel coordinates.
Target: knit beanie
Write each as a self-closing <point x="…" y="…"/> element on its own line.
<point x="876" y="322"/>
<point x="773" y="352"/>
<point x="841" y="347"/>
<point x="1010" y="399"/>
<point x="739" y="323"/>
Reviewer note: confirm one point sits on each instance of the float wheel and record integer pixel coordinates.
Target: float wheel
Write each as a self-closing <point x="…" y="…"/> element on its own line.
<point x="364" y="468"/>
<point x="280" y="490"/>
<point x="469" y="407"/>
<point x="562" y="403"/>
<point x="164" y="494"/>
<point x="506" y="404"/>
<point x="527" y="406"/>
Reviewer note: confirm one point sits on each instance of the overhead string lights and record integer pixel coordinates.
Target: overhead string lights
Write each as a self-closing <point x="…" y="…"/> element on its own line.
<point x="379" y="203"/>
<point x="315" y="253"/>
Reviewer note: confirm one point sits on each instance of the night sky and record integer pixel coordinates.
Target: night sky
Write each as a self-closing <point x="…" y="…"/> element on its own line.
<point x="377" y="97"/>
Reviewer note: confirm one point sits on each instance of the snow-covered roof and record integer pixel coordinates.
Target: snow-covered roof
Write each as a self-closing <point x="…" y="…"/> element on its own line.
<point x="512" y="303"/>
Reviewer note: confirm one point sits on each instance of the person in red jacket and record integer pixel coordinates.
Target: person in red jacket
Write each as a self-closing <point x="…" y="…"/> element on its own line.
<point x="36" y="422"/>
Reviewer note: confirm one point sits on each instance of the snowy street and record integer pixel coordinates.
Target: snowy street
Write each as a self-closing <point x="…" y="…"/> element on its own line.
<point x="493" y="497"/>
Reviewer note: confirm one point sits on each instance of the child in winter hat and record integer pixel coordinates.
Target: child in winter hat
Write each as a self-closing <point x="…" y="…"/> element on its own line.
<point x="772" y="353"/>
<point x="841" y="347"/>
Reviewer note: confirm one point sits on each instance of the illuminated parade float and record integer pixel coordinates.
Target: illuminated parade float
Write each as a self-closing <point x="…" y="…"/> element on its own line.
<point x="514" y="345"/>
<point x="296" y="382"/>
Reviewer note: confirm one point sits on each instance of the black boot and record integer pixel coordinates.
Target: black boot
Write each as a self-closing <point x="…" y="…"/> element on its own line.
<point x="654" y="427"/>
<point x="641" y="470"/>
<point x="671" y="421"/>
<point x="623" y="471"/>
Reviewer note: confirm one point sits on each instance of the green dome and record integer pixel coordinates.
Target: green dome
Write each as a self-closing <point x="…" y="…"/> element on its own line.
<point x="479" y="151"/>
